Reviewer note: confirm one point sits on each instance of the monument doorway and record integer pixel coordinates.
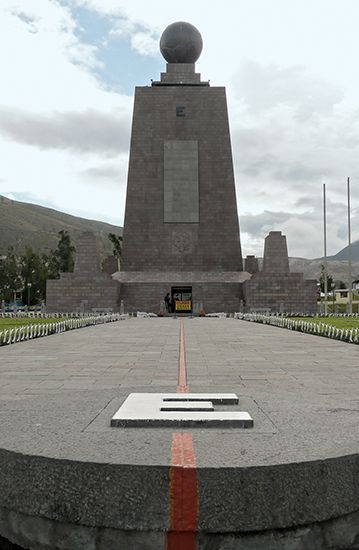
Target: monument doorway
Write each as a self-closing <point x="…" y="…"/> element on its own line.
<point x="181" y="299"/>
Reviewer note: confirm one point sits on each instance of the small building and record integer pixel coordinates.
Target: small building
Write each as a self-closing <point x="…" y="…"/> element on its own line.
<point x="342" y="295"/>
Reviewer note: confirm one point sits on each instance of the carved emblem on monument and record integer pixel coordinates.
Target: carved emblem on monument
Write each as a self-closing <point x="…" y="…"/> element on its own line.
<point x="182" y="242"/>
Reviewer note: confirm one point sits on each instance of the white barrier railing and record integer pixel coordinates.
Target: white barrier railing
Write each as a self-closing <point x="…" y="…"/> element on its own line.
<point x="37" y="330"/>
<point x="308" y="327"/>
<point x="42" y="315"/>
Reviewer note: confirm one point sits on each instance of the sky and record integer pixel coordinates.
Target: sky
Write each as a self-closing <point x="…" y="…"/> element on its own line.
<point x="68" y="69"/>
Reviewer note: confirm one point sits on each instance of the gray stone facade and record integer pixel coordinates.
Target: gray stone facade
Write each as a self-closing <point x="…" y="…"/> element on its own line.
<point x="181" y="213"/>
<point x="275" y="257"/>
<point x="276" y="289"/>
<point x="251" y="264"/>
<point x="87" y="288"/>
<point x="149" y="243"/>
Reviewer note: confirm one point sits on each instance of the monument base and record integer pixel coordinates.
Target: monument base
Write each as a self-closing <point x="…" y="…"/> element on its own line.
<point x="209" y="291"/>
<point x="280" y="293"/>
<point x="82" y="292"/>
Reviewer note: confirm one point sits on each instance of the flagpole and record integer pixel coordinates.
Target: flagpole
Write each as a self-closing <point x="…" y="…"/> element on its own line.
<point x="350" y="282"/>
<point x="325" y="253"/>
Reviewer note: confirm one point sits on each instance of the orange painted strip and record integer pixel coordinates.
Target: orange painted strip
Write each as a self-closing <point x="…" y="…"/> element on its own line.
<point x="182" y="375"/>
<point x="184" y="502"/>
<point x="181" y="541"/>
<point x="183" y="494"/>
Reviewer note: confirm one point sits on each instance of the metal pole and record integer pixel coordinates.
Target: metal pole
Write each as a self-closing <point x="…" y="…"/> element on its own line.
<point x="325" y="253"/>
<point x="350" y="283"/>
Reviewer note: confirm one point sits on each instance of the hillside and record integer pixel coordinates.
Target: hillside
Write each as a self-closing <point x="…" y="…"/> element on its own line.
<point x="23" y="224"/>
<point x="343" y="254"/>
<point x="337" y="264"/>
<point x="312" y="268"/>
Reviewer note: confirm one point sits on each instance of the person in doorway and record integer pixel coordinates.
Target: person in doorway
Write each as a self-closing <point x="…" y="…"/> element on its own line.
<point x="176" y="297"/>
<point x="168" y="302"/>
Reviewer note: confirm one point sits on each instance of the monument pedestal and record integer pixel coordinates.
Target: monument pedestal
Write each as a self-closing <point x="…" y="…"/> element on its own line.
<point x="217" y="291"/>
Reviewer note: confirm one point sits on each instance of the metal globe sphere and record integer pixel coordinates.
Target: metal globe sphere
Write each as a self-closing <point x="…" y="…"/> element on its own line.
<point x="181" y="42"/>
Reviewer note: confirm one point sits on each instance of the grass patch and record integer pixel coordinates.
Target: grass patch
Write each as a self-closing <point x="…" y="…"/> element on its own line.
<point x="341" y="308"/>
<point x="339" y="322"/>
<point x="14" y="322"/>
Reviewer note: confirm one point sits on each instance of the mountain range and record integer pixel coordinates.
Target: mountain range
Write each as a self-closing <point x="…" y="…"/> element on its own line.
<point x="337" y="265"/>
<point x="24" y="224"/>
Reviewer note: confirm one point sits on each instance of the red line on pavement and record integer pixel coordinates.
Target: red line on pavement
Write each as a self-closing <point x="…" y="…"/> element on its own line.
<point x="184" y="502"/>
<point x="182" y="374"/>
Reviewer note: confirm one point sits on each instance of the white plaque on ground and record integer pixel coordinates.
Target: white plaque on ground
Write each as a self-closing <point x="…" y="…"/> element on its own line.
<point x="161" y="410"/>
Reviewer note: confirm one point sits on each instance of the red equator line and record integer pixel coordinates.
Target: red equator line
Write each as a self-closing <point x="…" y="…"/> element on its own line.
<point x="184" y="502"/>
<point x="182" y="374"/>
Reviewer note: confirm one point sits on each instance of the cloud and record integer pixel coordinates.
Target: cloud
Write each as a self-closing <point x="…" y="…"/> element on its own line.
<point x="297" y="227"/>
<point x="264" y="88"/>
<point x="291" y="133"/>
<point x="57" y="116"/>
<point x="89" y="131"/>
<point x="96" y="25"/>
<point x="262" y="223"/>
<point x="29" y="20"/>
<point x="106" y="174"/>
<point x="304" y="230"/>
<point x="67" y="88"/>
<point x="145" y="43"/>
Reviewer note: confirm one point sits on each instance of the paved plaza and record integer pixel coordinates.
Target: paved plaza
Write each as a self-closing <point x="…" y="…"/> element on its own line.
<point x="62" y="461"/>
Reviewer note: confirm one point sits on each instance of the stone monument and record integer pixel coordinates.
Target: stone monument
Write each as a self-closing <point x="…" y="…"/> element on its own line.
<point x="181" y="232"/>
<point x="275" y="289"/>
<point x="87" y="289"/>
<point x="251" y="264"/>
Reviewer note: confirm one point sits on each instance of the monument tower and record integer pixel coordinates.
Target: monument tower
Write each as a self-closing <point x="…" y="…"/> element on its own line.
<point x="181" y="232"/>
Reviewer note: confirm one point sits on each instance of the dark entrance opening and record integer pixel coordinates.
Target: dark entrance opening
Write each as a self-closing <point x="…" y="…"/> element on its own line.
<point x="181" y="297"/>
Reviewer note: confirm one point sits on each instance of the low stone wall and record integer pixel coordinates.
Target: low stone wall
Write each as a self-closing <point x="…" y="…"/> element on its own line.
<point x="280" y="292"/>
<point x="82" y="292"/>
<point x="213" y="296"/>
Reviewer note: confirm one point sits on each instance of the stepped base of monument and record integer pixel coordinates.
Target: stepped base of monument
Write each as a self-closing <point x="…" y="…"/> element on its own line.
<point x="35" y="533"/>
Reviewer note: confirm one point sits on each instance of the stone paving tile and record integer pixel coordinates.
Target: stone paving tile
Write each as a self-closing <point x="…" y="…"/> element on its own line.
<point x="300" y="389"/>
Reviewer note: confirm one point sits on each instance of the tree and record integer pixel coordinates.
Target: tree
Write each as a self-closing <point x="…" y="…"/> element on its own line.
<point x="27" y="273"/>
<point x="63" y="257"/>
<point x="116" y="241"/>
<point x="330" y="283"/>
<point x="11" y="280"/>
<point x="342" y="284"/>
<point x="34" y="272"/>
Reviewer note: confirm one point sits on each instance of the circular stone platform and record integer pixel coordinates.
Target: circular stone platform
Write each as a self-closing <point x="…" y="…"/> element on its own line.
<point x="69" y="480"/>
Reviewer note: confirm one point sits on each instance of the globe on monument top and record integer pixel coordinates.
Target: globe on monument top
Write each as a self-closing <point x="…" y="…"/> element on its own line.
<point x="181" y="42"/>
